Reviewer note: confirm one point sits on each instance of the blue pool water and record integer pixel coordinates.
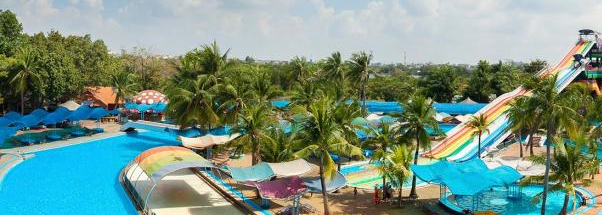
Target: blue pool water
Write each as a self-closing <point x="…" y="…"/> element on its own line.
<point x="76" y="180"/>
<point x="496" y="201"/>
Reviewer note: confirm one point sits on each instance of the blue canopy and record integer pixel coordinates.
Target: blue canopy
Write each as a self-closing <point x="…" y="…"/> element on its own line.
<point x="314" y="183"/>
<point x="5" y="121"/>
<point x="98" y="113"/>
<point x="143" y="107"/>
<point x="382" y="106"/>
<point x="57" y="116"/>
<point x="6" y="132"/>
<point x="259" y="172"/>
<point x="159" y="107"/>
<point x="13" y="115"/>
<point x="62" y="110"/>
<point x="81" y="113"/>
<point x="130" y="105"/>
<point x="40" y="113"/>
<point x="458" y="108"/>
<point x="467" y="178"/>
<point x="27" y="121"/>
<point x="114" y="112"/>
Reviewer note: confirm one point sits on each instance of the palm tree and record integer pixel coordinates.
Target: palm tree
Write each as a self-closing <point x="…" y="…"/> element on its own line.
<point x="382" y="139"/>
<point x="397" y="166"/>
<point x="282" y="148"/>
<point x="233" y="100"/>
<point x="334" y="69"/>
<point x="26" y="72"/>
<point x="254" y="122"/>
<point x="419" y="115"/>
<point x="480" y="126"/>
<point x="344" y="114"/>
<point x="323" y="135"/>
<point x="360" y="72"/>
<point x="300" y="69"/>
<point x="555" y="114"/>
<point x="262" y="88"/>
<point x="519" y="119"/>
<point x="124" y="86"/>
<point x="192" y="102"/>
<point x="305" y="93"/>
<point x="569" y="165"/>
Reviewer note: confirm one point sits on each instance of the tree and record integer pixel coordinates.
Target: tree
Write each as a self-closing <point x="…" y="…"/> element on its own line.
<point x="304" y="94"/>
<point x="535" y="66"/>
<point x="359" y="73"/>
<point x="440" y="84"/>
<point x="299" y="69"/>
<point x="519" y="118"/>
<point x="10" y="33"/>
<point x="282" y="148"/>
<point x="479" y="125"/>
<point x="124" y="86"/>
<point x="25" y="73"/>
<point x="568" y="165"/>
<point x="555" y="114"/>
<point x="479" y="87"/>
<point x="252" y="127"/>
<point x="396" y="166"/>
<point x="323" y="135"/>
<point x="383" y="138"/>
<point x="419" y="115"/>
<point x="192" y="102"/>
<point x="335" y="70"/>
<point x="207" y="60"/>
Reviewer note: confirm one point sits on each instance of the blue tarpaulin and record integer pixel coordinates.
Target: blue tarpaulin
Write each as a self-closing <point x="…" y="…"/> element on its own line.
<point x="98" y="113"/>
<point x="114" y="112"/>
<point x="27" y="121"/>
<point x="80" y="114"/>
<point x="40" y="113"/>
<point x="57" y="116"/>
<point x="466" y="178"/>
<point x="5" y="121"/>
<point x="13" y="115"/>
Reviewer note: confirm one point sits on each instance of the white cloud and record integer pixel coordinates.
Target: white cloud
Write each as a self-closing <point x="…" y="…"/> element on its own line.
<point x="459" y="31"/>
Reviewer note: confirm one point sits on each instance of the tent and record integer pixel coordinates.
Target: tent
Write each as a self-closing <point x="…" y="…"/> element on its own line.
<point x="291" y="168"/>
<point x="5" y="121"/>
<point x="314" y="184"/>
<point x="70" y="105"/>
<point x="98" y="113"/>
<point x="206" y="140"/>
<point x="80" y="113"/>
<point x="468" y="101"/>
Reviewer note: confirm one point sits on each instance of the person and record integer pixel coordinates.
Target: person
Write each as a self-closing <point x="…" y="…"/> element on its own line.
<point x="376" y="197"/>
<point x="354" y="191"/>
<point x="598" y="42"/>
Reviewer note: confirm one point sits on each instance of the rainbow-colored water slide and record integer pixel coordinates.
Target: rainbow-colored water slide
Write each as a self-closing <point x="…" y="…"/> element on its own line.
<point x="461" y="143"/>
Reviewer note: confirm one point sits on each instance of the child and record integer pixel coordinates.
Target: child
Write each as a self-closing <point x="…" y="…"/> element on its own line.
<point x="376" y="197"/>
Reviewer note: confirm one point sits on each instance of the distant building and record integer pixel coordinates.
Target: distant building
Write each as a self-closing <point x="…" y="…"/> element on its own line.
<point x="100" y="96"/>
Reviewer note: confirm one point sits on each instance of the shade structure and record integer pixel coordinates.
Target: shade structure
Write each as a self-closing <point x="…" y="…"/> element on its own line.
<point x="259" y="172"/>
<point x="466" y="178"/>
<point x="55" y="117"/>
<point x="150" y="97"/>
<point x="80" y="114"/>
<point x="98" y="113"/>
<point x="13" y="115"/>
<point x="291" y="168"/>
<point x="114" y="112"/>
<point x="206" y="140"/>
<point x="40" y="113"/>
<point x="161" y="161"/>
<point x="315" y="186"/>
<point x="143" y="107"/>
<point x="281" y="188"/>
<point x="70" y="105"/>
<point x="5" y="121"/>
<point x="359" y="121"/>
<point x="6" y="132"/>
<point x="27" y="121"/>
<point x="159" y="107"/>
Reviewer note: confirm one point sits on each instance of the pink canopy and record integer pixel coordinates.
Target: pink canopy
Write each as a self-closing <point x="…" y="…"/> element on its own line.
<point x="282" y="188"/>
<point x="150" y="97"/>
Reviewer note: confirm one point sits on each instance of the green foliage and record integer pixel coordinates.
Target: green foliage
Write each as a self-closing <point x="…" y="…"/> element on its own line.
<point x="398" y="87"/>
<point x="10" y="33"/>
<point x="360" y="72"/>
<point x="253" y="124"/>
<point x="480" y="125"/>
<point x="479" y="87"/>
<point x="535" y="66"/>
<point x="441" y="83"/>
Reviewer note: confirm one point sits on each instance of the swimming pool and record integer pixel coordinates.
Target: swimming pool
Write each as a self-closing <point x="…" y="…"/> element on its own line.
<point x="496" y="201"/>
<point x="79" y="179"/>
<point x="365" y="175"/>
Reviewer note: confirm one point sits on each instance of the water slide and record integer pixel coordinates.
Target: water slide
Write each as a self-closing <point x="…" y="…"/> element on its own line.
<point x="461" y="144"/>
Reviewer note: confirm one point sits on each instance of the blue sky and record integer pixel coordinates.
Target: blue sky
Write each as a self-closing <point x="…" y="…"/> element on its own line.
<point x="458" y="31"/>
